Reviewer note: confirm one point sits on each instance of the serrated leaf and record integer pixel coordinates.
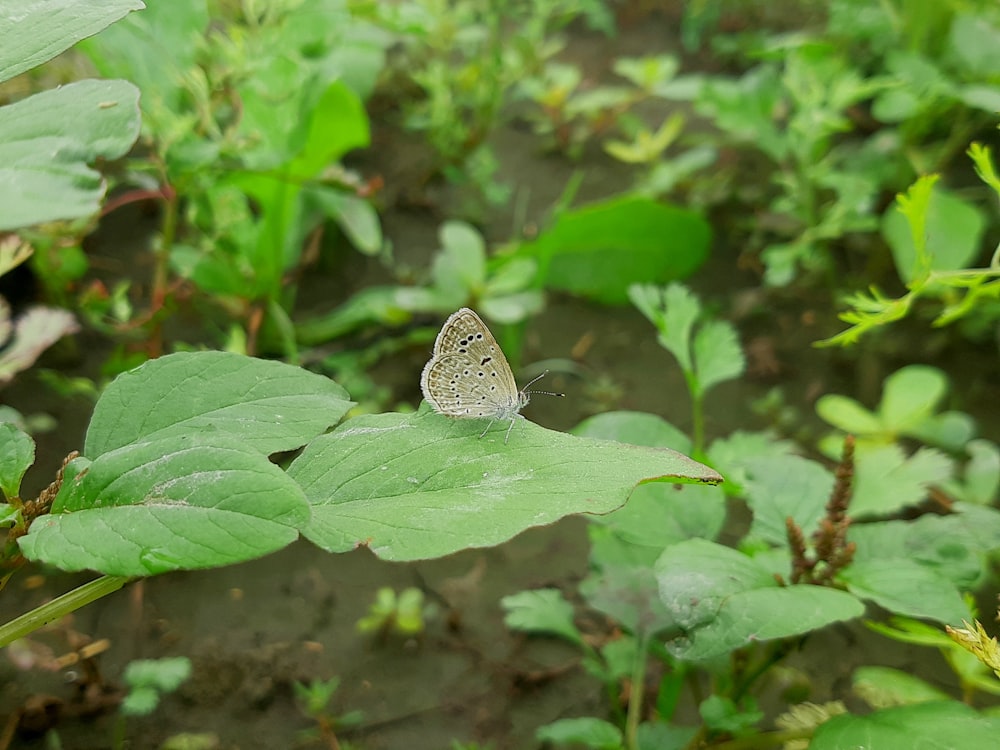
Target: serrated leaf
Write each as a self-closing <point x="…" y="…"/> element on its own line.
<point x="541" y="611"/>
<point x="718" y="356"/>
<point x="786" y="487"/>
<point x="887" y="480"/>
<point x="423" y="485"/>
<point x="269" y="406"/>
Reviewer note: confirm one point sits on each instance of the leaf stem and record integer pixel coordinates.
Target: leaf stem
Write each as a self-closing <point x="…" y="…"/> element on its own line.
<point x="59" y="607"/>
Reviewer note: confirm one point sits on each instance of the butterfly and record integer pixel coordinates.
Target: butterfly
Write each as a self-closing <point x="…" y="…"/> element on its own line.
<point x="468" y="376"/>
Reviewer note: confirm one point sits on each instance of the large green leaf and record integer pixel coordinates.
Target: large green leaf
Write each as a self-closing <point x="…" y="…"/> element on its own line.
<point x="41" y="29"/>
<point x="422" y="486"/>
<point x="177" y="474"/>
<point x="179" y="502"/>
<point x="599" y="250"/>
<point x="46" y="142"/>
<point x="907" y="588"/>
<point x="930" y="726"/>
<point x="269" y="406"/>
<point x="725" y="600"/>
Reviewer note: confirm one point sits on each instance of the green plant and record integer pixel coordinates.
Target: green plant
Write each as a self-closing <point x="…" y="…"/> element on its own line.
<point x="167" y="484"/>
<point x="147" y="680"/>
<point x="933" y="236"/>
<point x="466" y="58"/>
<point x="687" y="611"/>
<point x="245" y="126"/>
<point x="314" y="698"/>
<point x="391" y="613"/>
<point x="47" y="142"/>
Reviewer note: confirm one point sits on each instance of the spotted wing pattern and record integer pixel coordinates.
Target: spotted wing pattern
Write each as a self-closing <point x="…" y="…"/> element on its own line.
<point x="468" y="375"/>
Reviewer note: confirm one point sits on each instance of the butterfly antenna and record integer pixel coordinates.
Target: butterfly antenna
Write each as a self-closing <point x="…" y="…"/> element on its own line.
<point x="544" y="393"/>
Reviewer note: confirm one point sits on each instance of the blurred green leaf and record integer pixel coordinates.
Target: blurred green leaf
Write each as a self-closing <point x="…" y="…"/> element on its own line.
<point x="17" y="454"/>
<point x="946" y="725"/>
<point x="541" y="611"/>
<point x="599" y="250"/>
<point x="41" y="29"/>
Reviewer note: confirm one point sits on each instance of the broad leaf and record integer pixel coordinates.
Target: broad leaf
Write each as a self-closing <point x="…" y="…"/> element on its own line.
<point x="907" y="588"/>
<point x="269" y="406"/>
<point x="782" y="487"/>
<point x="424" y="485"/>
<point x="725" y="600"/>
<point x="41" y="29"/>
<point x="46" y="142"/>
<point x="599" y="250"/>
<point x="177" y="502"/>
<point x="939" y="726"/>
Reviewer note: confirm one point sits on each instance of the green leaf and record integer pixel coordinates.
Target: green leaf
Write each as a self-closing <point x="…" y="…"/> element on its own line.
<point x="635" y="427"/>
<point x="355" y="216"/>
<point x="953" y="233"/>
<point x="423" y="485"/>
<point x="848" y="415"/>
<point x="975" y="44"/>
<point x="882" y="687"/>
<point x="886" y="480"/>
<point x="980" y="482"/>
<point x="165" y="675"/>
<point x="541" y="611"/>
<point x="17" y="453"/>
<point x="599" y="250"/>
<point x="674" y="310"/>
<point x="460" y="267"/>
<point x="628" y="595"/>
<point x="268" y="406"/>
<point x="718" y="355"/>
<point x="179" y="502"/>
<point x="155" y="50"/>
<point x="587" y="731"/>
<point x="909" y="396"/>
<point x="939" y="726"/>
<point x="41" y="29"/>
<point x="954" y="546"/>
<point x="46" y="142"/>
<point x="734" y="456"/>
<point x="337" y="125"/>
<point x="657" y="515"/>
<point x="725" y="600"/>
<point x="785" y="487"/>
<point x="907" y="588"/>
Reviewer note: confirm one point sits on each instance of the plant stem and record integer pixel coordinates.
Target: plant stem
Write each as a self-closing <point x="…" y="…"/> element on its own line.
<point x="59" y="607"/>
<point x="635" y="698"/>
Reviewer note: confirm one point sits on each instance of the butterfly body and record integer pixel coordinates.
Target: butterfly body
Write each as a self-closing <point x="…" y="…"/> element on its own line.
<point x="468" y="376"/>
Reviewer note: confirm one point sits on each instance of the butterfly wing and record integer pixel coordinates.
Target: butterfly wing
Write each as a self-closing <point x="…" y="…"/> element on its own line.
<point x="468" y="375"/>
